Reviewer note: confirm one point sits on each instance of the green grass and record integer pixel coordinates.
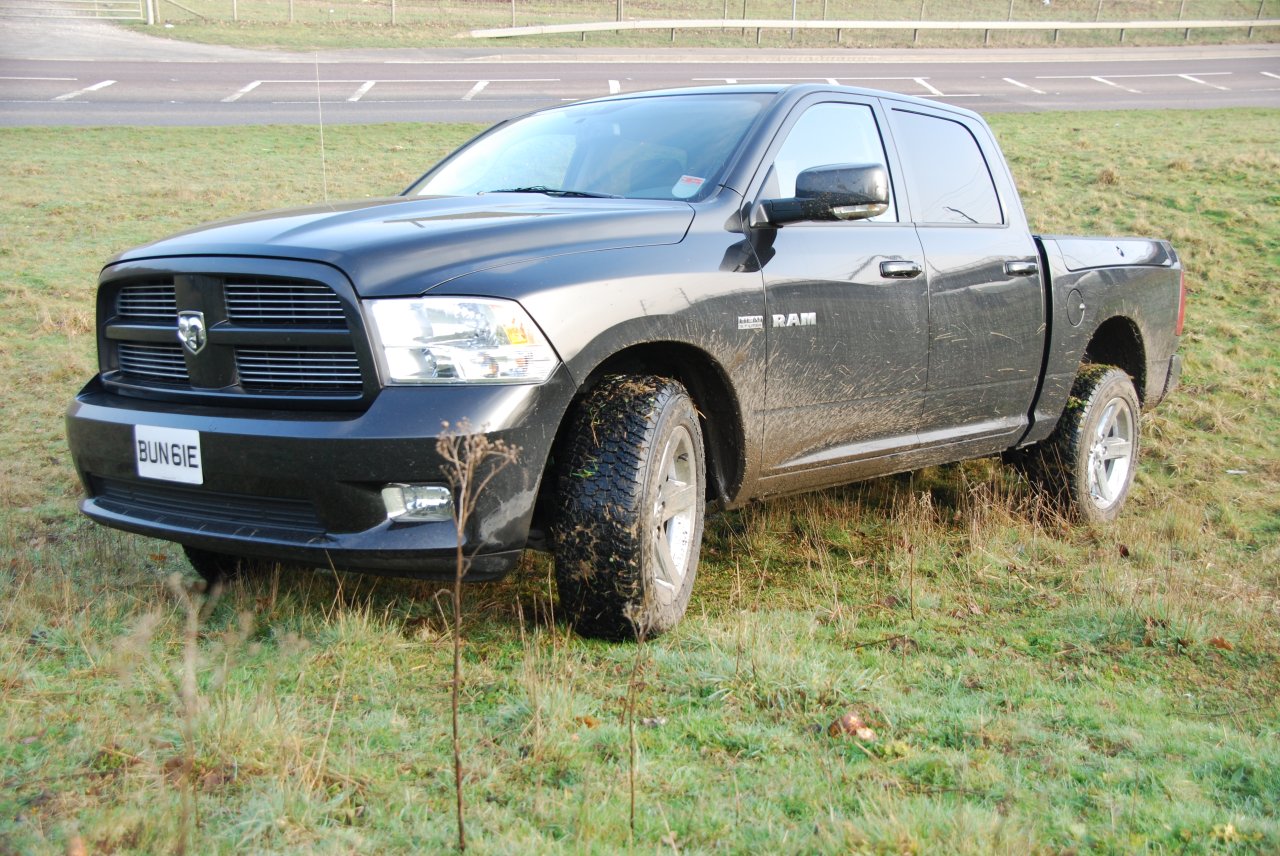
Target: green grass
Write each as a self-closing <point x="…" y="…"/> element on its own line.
<point x="421" y="23"/>
<point x="1034" y="687"/>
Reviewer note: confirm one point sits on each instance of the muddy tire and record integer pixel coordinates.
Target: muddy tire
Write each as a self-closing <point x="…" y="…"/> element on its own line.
<point x="221" y="567"/>
<point x="631" y="481"/>
<point x="1089" y="461"/>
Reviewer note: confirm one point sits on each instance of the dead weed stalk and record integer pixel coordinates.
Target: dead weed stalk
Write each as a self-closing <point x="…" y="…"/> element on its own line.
<point x="472" y="459"/>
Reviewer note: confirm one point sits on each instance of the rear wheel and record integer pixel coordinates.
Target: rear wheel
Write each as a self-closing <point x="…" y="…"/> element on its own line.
<point x="632" y="495"/>
<point x="1089" y="461"/>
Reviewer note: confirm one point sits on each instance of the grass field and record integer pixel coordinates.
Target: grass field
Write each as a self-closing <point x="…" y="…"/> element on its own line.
<point x="1033" y="687"/>
<point x="307" y="24"/>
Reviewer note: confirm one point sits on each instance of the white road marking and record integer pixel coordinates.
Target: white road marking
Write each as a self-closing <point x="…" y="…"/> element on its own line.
<point x="244" y="90"/>
<point x="614" y="87"/>
<point x="1116" y="85"/>
<point x="1174" y="74"/>
<point x="1269" y="74"/>
<point x="364" y="88"/>
<point x="1023" y="85"/>
<point x="44" y="78"/>
<point x="366" y="85"/>
<point x="68" y="96"/>
<point x="760" y="79"/>
<point x="1195" y="79"/>
<point x="924" y="81"/>
<point x="1112" y="82"/>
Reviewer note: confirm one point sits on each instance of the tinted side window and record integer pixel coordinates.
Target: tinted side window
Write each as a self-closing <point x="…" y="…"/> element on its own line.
<point x="946" y="175"/>
<point x="830" y="134"/>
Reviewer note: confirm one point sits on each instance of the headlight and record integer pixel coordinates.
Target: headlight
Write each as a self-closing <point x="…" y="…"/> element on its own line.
<point x="460" y="340"/>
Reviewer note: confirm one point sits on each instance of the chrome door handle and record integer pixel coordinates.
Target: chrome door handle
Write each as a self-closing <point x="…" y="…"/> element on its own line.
<point x="899" y="270"/>
<point x="1021" y="268"/>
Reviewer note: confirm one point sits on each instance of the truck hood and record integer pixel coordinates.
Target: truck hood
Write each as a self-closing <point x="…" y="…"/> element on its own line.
<point x="407" y="245"/>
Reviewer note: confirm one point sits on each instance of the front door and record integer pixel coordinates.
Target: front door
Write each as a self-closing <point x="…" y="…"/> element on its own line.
<point x="846" y="315"/>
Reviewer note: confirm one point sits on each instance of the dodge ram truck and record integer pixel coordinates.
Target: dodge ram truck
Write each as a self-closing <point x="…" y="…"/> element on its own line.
<point x="669" y="302"/>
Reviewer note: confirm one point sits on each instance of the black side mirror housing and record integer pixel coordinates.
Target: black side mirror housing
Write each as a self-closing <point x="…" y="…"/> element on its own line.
<point x="833" y="192"/>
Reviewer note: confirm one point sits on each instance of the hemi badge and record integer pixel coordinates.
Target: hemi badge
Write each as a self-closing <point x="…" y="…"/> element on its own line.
<point x="750" y="322"/>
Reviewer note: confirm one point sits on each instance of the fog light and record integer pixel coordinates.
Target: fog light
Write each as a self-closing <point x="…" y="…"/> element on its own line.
<point x="417" y="502"/>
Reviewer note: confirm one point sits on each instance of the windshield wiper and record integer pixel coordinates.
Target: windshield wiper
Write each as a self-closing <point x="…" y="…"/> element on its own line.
<point x="551" y="191"/>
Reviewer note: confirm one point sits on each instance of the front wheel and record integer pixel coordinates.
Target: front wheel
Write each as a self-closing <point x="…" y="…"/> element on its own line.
<point x="632" y="495"/>
<point x="1090" y="459"/>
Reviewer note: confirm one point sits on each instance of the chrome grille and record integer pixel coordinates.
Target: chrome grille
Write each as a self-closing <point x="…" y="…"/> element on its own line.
<point x="250" y="302"/>
<point x="279" y="369"/>
<point x="157" y="301"/>
<point x="268" y="337"/>
<point x="154" y="362"/>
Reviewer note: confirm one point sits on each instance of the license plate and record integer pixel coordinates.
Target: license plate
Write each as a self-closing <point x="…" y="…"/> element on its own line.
<point x="172" y="454"/>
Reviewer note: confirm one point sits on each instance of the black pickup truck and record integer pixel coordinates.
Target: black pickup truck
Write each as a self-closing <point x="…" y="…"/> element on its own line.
<point x="668" y="301"/>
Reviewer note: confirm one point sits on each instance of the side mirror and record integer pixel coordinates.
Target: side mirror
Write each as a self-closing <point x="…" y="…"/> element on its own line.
<point x="834" y="192"/>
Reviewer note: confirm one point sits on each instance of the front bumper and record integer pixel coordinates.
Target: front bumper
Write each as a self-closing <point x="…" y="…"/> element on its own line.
<point x="306" y="486"/>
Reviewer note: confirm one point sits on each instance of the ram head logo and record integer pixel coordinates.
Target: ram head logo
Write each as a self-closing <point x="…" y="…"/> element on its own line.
<point x="191" y="330"/>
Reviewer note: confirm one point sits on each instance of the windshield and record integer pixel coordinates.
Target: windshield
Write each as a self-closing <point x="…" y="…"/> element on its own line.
<point x="665" y="147"/>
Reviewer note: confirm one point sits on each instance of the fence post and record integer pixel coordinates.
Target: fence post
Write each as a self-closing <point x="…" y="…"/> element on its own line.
<point x="290" y="11"/>
<point x="393" y="13"/>
<point x="151" y="13"/>
<point x="1097" y="16"/>
<point x="235" y="10"/>
<point x="1182" y="7"/>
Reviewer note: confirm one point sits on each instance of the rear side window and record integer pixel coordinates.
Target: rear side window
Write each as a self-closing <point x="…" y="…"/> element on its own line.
<point x="946" y="175"/>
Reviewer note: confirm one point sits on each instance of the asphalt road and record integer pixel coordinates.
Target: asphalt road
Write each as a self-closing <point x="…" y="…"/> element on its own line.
<point x="88" y="75"/>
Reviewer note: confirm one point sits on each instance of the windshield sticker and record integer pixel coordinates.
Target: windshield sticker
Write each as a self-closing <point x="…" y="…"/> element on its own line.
<point x="687" y="186"/>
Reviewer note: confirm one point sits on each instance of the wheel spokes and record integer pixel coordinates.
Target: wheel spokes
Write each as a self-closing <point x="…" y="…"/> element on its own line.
<point x="669" y="572"/>
<point x="1111" y="453"/>
<point x="675" y="497"/>
<point x="1107" y="424"/>
<point x="1101" y="480"/>
<point x="674" y="511"/>
<point x="1114" y="448"/>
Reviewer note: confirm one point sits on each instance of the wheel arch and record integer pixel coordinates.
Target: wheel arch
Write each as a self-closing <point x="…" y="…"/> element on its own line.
<point x="713" y="397"/>
<point x="1118" y="342"/>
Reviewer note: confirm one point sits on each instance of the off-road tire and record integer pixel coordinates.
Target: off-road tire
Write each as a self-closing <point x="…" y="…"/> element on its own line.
<point x="631" y="496"/>
<point x="1088" y="463"/>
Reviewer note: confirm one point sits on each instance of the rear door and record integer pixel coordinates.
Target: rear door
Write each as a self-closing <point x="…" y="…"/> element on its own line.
<point x="986" y="302"/>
